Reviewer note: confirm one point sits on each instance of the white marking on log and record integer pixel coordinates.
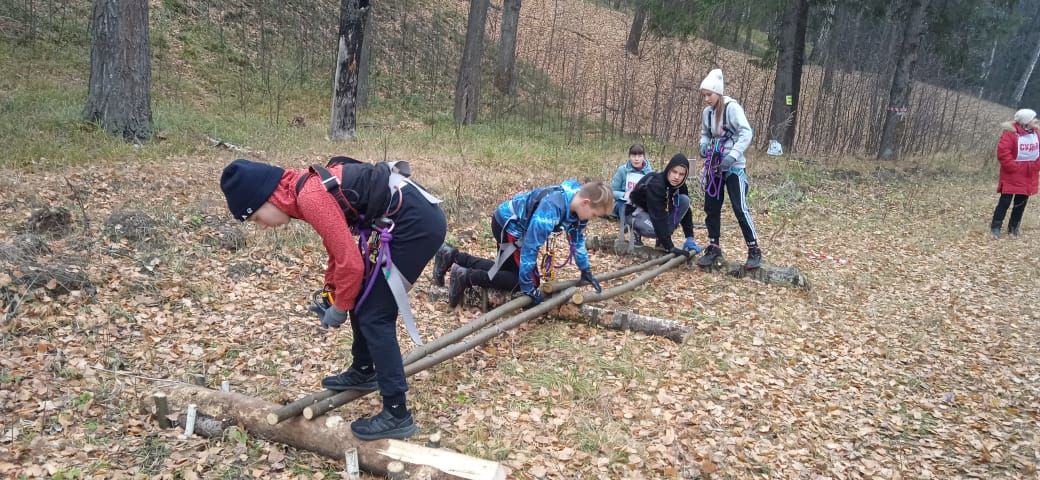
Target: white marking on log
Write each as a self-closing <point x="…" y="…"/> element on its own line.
<point x="444" y="460"/>
<point x="189" y="424"/>
<point x="353" y="467"/>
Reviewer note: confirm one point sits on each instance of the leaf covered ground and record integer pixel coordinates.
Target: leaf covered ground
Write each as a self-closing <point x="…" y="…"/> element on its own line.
<point x="913" y="355"/>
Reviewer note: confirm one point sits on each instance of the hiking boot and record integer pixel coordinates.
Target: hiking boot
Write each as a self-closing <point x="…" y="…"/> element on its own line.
<point x="458" y="285"/>
<point x="995" y="231"/>
<point x="384" y="425"/>
<point x="1013" y="231"/>
<point x="754" y="258"/>
<point x="711" y="253"/>
<point x="637" y="240"/>
<point x="351" y="379"/>
<point x="442" y="262"/>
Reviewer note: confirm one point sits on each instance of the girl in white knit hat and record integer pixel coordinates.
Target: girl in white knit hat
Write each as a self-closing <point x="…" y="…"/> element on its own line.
<point x="725" y="136"/>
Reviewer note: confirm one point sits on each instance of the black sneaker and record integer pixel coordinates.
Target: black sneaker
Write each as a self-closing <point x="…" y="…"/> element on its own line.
<point x="442" y="262"/>
<point x="351" y="379"/>
<point x="754" y="258"/>
<point x="995" y="231"/>
<point x="711" y="254"/>
<point x="384" y="425"/>
<point x="637" y="240"/>
<point x="457" y="286"/>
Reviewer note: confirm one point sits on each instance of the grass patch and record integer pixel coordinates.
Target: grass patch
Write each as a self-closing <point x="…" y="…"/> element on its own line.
<point x="483" y="443"/>
<point x="576" y="385"/>
<point x="151" y="455"/>
<point x="606" y="438"/>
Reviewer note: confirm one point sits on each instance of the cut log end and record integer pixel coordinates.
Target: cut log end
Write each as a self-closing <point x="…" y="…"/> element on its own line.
<point x="578" y="298"/>
<point x="395" y="471"/>
<point x="308" y="413"/>
<point x="272" y="419"/>
<point x="434" y="441"/>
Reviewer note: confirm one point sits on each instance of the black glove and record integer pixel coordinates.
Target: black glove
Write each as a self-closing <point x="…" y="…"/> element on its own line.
<point x="333" y="317"/>
<point x="536" y="296"/>
<point x="587" y="277"/>
<point x="679" y="251"/>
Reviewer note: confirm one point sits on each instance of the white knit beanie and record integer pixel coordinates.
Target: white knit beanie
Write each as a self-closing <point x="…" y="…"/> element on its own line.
<point x="1023" y="116"/>
<point x="713" y="82"/>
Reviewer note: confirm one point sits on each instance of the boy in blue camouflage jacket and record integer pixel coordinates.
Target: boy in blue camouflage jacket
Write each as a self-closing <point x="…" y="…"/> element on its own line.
<point x="521" y="225"/>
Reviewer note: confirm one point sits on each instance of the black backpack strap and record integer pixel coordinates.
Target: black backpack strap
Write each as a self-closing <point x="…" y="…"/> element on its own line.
<point x="332" y="185"/>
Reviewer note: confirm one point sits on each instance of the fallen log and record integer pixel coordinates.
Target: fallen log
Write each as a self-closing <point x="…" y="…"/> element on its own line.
<point x="770" y="274"/>
<point x="333" y="437"/>
<point x="450" y="352"/>
<point x="625" y="320"/>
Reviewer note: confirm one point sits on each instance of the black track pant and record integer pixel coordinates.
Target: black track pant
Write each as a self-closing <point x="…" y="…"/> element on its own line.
<point x="737" y="186"/>
<point x="1005" y="201"/>
<point x="507" y="278"/>
<point x="419" y="231"/>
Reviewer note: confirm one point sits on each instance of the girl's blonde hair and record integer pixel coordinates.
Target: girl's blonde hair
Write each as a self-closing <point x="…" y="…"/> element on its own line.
<point x="599" y="194"/>
<point x="719" y="112"/>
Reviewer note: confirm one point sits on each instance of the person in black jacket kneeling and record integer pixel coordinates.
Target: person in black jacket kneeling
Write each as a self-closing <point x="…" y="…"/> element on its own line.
<point x="660" y="203"/>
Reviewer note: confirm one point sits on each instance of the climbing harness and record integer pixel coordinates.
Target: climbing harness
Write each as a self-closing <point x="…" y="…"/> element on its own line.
<point x="711" y="178"/>
<point x="550" y="252"/>
<point x="374" y="238"/>
<point x="507" y="248"/>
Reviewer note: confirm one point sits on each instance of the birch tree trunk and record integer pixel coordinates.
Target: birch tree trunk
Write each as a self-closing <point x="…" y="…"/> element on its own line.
<point x="1024" y="80"/>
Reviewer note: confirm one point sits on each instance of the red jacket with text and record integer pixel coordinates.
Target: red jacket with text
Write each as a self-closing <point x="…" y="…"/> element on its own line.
<point x="1017" y="153"/>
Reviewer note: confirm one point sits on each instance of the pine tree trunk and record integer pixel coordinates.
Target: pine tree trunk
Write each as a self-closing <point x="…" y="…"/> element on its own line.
<point x="505" y="77"/>
<point x="635" y="34"/>
<point x="467" y="88"/>
<point x="366" y="62"/>
<point x="788" y="81"/>
<point x="902" y="80"/>
<point x="118" y="96"/>
<point x="352" y="16"/>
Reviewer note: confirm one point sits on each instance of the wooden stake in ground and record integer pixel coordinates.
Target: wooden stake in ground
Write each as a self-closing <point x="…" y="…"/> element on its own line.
<point x="331" y="439"/>
<point x="162" y="409"/>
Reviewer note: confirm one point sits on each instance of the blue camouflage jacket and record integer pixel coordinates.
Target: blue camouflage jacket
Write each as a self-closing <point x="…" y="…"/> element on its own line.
<point x="551" y="214"/>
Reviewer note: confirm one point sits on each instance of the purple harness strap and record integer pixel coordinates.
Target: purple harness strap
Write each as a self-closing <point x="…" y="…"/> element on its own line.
<point x="713" y="181"/>
<point x="383" y="259"/>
